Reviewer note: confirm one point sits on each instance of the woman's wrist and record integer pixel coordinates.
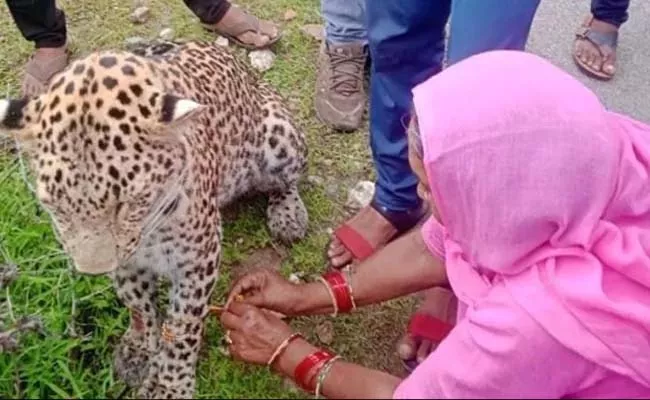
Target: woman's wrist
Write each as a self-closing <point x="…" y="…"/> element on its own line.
<point x="294" y="354"/>
<point x="313" y="297"/>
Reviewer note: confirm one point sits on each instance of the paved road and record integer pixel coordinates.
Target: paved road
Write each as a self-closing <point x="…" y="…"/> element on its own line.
<point x="629" y="92"/>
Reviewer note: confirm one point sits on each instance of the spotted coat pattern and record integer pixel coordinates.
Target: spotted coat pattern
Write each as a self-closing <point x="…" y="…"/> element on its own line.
<point x="133" y="155"/>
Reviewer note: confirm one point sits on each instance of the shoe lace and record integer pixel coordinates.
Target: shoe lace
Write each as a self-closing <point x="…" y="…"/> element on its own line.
<point x="347" y="72"/>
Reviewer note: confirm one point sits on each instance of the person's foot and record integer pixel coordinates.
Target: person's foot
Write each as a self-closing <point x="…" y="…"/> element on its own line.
<point x="340" y="97"/>
<point x="41" y="67"/>
<point x="595" y="48"/>
<point x="245" y="29"/>
<point x="371" y="225"/>
<point x="437" y="314"/>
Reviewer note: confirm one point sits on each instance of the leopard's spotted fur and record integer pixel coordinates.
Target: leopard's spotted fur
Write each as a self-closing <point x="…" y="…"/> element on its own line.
<point x="133" y="157"/>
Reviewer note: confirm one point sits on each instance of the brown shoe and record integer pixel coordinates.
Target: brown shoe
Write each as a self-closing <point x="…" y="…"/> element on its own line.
<point x="340" y="97"/>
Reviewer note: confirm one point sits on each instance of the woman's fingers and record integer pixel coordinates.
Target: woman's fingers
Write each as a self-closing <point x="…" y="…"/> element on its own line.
<point x="230" y="320"/>
<point x="250" y="283"/>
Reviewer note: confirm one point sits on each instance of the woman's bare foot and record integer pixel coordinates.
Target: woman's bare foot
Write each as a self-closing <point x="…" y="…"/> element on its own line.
<point x="44" y="63"/>
<point x="595" y="48"/>
<point x="371" y="225"/>
<point x="245" y="29"/>
<point x="438" y="304"/>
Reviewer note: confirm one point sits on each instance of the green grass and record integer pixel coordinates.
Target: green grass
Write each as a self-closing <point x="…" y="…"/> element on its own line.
<point x="83" y="318"/>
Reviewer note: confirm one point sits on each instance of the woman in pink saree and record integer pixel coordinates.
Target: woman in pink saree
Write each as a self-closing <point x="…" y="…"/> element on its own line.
<point x="543" y="197"/>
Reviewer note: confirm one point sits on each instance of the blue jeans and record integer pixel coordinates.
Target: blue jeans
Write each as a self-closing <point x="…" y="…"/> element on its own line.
<point x="611" y="11"/>
<point x="345" y="20"/>
<point x="406" y="39"/>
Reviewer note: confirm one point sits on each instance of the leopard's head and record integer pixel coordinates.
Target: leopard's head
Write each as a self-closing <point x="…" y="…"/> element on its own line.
<point x="105" y="144"/>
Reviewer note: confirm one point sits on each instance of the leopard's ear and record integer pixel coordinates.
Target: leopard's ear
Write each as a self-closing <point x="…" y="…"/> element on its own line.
<point x="17" y="117"/>
<point x="176" y="109"/>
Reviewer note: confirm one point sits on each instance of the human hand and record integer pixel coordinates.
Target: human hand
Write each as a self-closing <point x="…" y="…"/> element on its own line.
<point x="254" y="334"/>
<point x="267" y="289"/>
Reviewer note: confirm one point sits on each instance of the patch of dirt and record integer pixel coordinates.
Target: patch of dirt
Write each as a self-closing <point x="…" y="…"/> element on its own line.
<point x="266" y="257"/>
<point x="369" y="336"/>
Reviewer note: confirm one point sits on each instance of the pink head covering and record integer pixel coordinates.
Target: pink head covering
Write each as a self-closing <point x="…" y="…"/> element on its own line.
<point x="540" y="186"/>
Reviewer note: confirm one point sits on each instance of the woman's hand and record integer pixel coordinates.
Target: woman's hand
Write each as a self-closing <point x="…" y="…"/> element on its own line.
<point x="267" y="289"/>
<point x="254" y="334"/>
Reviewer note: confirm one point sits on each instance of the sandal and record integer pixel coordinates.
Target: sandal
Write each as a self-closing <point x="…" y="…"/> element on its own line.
<point x="425" y="326"/>
<point x="38" y="73"/>
<point x="246" y="23"/>
<point x="599" y="40"/>
<point x="360" y="248"/>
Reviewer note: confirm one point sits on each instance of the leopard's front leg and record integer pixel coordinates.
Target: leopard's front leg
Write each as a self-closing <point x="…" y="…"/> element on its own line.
<point x="172" y="372"/>
<point x="136" y="288"/>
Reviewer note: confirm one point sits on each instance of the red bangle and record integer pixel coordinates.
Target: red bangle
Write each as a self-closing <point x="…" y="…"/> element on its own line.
<point x="341" y="291"/>
<point x="310" y="362"/>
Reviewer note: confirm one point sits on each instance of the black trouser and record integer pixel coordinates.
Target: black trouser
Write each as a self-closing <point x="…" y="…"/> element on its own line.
<point x="611" y="11"/>
<point x="41" y="22"/>
<point x="209" y="11"/>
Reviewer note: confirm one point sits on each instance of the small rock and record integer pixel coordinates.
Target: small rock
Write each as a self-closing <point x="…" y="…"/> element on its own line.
<point x="166" y="34"/>
<point x="325" y="332"/>
<point x="221" y="41"/>
<point x="296" y="277"/>
<point x="240" y="241"/>
<point x="315" y="180"/>
<point x="140" y="15"/>
<point x="329" y="231"/>
<point x="289" y="15"/>
<point x="134" y="41"/>
<point x="360" y="195"/>
<point x="332" y="190"/>
<point x="261" y="60"/>
<point x="313" y="30"/>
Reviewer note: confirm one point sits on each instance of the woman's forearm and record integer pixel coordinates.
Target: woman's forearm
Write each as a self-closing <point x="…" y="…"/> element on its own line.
<point x="345" y="380"/>
<point x="403" y="267"/>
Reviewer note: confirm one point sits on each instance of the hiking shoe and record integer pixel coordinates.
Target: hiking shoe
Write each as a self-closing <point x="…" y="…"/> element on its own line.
<point x="340" y="96"/>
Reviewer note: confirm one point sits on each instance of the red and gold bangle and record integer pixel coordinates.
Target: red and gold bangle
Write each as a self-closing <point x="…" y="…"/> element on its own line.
<point x="332" y="295"/>
<point x="303" y="375"/>
<point x="341" y="291"/>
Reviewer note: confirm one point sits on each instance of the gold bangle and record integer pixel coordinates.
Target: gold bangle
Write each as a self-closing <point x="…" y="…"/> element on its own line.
<point x="281" y="348"/>
<point x="329" y="290"/>
<point x="323" y="373"/>
<point x="348" y="275"/>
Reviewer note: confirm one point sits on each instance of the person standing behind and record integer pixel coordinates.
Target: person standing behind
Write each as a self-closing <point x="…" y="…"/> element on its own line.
<point x="41" y="22"/>
<point x="407" y="45"/>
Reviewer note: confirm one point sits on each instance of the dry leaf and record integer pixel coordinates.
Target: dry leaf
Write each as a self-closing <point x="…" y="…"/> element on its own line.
<point x="289" y="15"/>
<point x="325" y="332"/>
<point x="313" y="30"/>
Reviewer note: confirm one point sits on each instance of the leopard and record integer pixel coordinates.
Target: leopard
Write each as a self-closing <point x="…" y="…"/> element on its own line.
<point x="134" y="153"/>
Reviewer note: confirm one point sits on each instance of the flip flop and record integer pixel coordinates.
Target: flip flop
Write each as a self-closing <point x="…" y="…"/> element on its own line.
<point x="425" y="326"/>
<point x="599" y="40"/>
<point x="249" y="23"/>
<point x="359" y="246"/>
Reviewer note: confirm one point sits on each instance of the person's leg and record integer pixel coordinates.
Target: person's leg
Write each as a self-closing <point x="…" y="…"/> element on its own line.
<point x="406" y="43"/>
<point x="595" y="45"/>
<point x="242" y="28"/>
<point x="40" y="22"/>
<point x="340" y="98"/>
<point x="479" y="26"/>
